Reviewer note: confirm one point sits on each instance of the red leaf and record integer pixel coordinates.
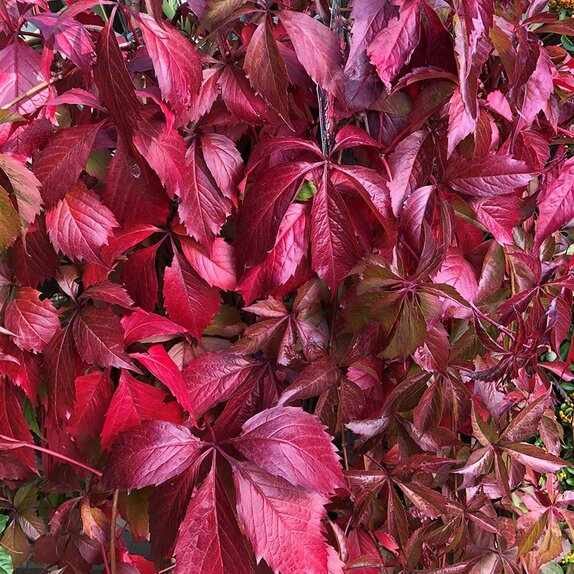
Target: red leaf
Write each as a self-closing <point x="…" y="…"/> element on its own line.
<point x="315" y="379"/>
<point x="15" y="463"/>
<point x="487" y="176"/>
<point x="69" y="37"/>
<point x="32" y="320"/>
<point x="459" y="273"/>
<point x="25" y="188"/>
<point x="167" y="506"/>
<point x="212" y="378"/>
<point x="148" y="328"/>
<point x="59" y="165"/>
<point x="395" y="43"/>
<point x="134" y="402"/>
<point x="286" y="257"/>
<point x="216" y="267"/>
<point x="539" y="87"/>
<point x="134" y="194"/>
<point x="280" y="519"/>
<point x="263" y="209"/>
<point x="334" y="248"/>
<point x="79" y="225"/>
<point x="165" y="153"/>
<point x="188" y="299"/>
<point x="140" y="277"/>
<point x="290" y="443"/>
<point x="224" y="162"/>
<point x="61" y="364"/>
<point x="534" y="457"/>
<point x="555" y="203"/>
<point x="266" y="69"/>
<point x="209" y="538"/>
<point x="240" y="98"/>
<point x="93" y="395"/>
<point x="99" y="338"/>
<point x="115" y="86"/>
<point x="150" y="453"/>
<point x="161" y="365"/>
<point x="202" y="209"/>
<point x="176" y="63"/>
<point x="316" y="47"/>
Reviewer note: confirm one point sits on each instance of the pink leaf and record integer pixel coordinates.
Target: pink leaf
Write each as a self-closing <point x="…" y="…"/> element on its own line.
<point x="534" y="457"/>
<point x="68" y="36"/>
<point x="20" y="71"/>
<point x="290" y="443"/>
<point x="555" y="203"/>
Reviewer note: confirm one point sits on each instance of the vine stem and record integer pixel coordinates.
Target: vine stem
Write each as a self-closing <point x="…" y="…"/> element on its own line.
<point x="325" y="99"/>
<point x="113" y="561"/>
<point x="51" y="453"/>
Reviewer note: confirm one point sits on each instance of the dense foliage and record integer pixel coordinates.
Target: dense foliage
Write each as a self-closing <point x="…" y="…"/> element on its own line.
<point x="286" y="286"/>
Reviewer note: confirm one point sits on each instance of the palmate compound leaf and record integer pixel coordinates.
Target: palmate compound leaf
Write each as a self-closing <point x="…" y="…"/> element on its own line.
<point x="210" y="541"/>
<point x="149" y="454"/>
<point x="292" y="444"/>
<point x="280" y="520"/>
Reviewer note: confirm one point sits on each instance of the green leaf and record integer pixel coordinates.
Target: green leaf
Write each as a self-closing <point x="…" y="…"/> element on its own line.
<point x="6" y="566"/>
<point x="7" y="117"/>
<point x="30" y="416"/>
<point x="307" y="191"/>
<point x="3" y="521"/>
